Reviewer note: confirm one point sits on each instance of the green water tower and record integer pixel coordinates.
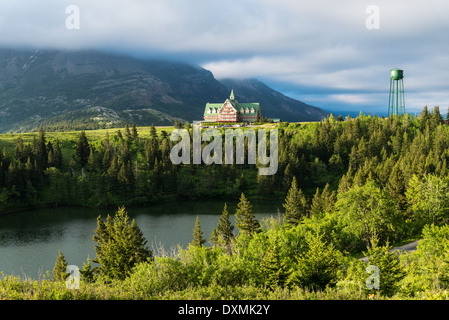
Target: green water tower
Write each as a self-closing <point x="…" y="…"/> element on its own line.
<point x="396" y="102"/>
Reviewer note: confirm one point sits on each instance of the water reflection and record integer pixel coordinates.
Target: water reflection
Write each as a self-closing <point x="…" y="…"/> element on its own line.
<point x="30" y="240"/>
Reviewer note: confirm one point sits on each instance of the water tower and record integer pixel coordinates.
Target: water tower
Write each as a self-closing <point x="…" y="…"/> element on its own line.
<point x="396" y="103"/>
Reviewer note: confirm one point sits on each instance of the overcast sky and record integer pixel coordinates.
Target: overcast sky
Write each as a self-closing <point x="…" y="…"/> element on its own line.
<point x="332" y="54"/>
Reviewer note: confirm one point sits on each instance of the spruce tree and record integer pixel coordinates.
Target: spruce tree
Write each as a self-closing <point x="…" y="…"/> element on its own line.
<point x="120" y="246"/>
<point x="390" y="268"/>
<point x="245" y="219"/>
<point x="134" y="134"/>
<point x="19" y="150"/>
<point x="91" y="160"/>
<point x="224" y="231"/>
<point x="295" y="205"/>
<point x="198" y="240"/>
<point x="213" y="240"/>
<point x="59" y="270"/>
<point x="42" y="155"/>
<point x="316" y="207"/>
<point x="50" y="159"/>
<point x="82" y="149"/>
<point x="153" y="132"/>
<point x="86" y="273"/>
<point x="273" y="268"/>
<point x="128" y="136"/>
<point x="57" y="155"/>
<point x="317" y="266"/>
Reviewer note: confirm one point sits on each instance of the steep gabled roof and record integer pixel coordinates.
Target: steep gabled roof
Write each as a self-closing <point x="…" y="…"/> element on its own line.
<point x="252" y="108"/>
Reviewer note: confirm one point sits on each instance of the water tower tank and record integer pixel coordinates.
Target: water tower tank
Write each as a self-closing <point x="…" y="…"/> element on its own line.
<point x="396" y="103"/>
<point x="397" y="74"/>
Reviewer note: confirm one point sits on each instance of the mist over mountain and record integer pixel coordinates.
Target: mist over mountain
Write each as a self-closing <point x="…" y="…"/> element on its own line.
<point x="86" y="89"/>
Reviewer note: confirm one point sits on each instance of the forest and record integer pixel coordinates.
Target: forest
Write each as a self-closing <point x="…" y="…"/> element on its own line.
<point x="350" y="187"/>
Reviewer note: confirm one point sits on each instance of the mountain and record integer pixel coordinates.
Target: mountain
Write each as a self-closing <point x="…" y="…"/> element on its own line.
<point x="273" y="103"/>
<point x="88" y="89"/>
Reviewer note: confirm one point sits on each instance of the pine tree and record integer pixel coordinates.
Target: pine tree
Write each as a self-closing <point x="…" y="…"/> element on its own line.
<point x="198" y="240"/>
<point x="57" y="155"/>
<point x="390" y="268"/>
<point x="245" y="219"/>
<point x="128" y="136"/>
<point x="50" y="148"/>
<point x="50" y="160"/>
<point x="424" y="117"/>
<point x="316" y="207"/>
<point x="86" y="273"/>
<point x="224" y="230"/>
<point x="19" y="150"/>
<point x="42" y="155"/>
<point x="317" y="267"/>
<point x="134" y="134"/>
<point x="436" y="119"/>
<point x="153" y="132"/>
<point x="274" y="267"/>
<point x="91" y="159"/>
<point x="82" y="149"/>
<point x="295" y="205"/>
<point x="120" y="246"/>
<point x="59" y="270"/>
<point x="213" y="240"/>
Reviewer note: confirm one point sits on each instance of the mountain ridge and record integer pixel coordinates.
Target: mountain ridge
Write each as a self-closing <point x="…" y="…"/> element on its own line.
<point x="91" y="89"/>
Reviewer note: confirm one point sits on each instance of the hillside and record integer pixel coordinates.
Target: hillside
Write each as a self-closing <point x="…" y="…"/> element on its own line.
<point x="86" y="89"/>
<point x="274" y="104"/>
<point x="351" y="189"/>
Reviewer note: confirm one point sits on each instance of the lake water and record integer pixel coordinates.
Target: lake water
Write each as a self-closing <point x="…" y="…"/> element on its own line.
<point x="30" y="240"/>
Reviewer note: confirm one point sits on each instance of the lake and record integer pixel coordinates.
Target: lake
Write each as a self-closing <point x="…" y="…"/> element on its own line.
<point x="30" y="240"/>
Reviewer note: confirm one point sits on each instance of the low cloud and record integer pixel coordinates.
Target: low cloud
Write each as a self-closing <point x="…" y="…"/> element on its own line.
<point x="319" y="50"/>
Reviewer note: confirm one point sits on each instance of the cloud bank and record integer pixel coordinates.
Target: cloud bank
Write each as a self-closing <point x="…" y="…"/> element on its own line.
<point x="321" y="52"/>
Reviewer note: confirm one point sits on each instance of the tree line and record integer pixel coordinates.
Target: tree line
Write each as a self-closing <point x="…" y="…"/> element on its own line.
<point x="348" y="188"/>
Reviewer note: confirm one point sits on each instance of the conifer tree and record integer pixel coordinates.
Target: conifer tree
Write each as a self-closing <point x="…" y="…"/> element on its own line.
<point x="59" y="270"/>
<point x="134" y="134"/>
<point x="86" y="273"/>
<point x="19" y="150"/>
<point x="153" y="132"/>
<point x="57" y="155"/>
<point x="82" y="149"/>
<point x="41" y="155"/>
<point x="295" y="205"/>
<point x="120" y="246"/>
<point x="274" y="267"/>
<point x="316" y="267"/>
<point x="214" y="238"/>
<point x="316" y="206"/>
<point x="223" y="234"/>
<point x="198" y="240"/>
<point x="128" y="136"/>
<point x="245" y="219"/>
<point x="91" y="159"/>
<point x="50" y="159"/>
<point x="390" y="268"/>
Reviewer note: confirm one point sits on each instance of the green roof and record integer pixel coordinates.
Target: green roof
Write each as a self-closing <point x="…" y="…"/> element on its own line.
<point x="237" y="105"/>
